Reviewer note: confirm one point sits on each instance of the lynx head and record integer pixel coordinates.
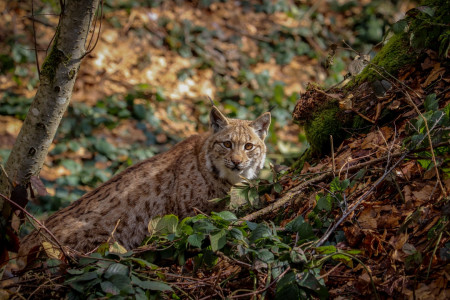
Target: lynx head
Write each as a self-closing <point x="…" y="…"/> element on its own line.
<point x="236" y="147"/>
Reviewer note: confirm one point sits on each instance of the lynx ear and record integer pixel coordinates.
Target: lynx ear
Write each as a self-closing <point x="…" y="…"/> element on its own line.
<point x="217" y="121"/>
<point x="261" y="125"/>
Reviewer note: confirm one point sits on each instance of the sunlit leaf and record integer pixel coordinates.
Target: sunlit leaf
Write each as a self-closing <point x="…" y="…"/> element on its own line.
<point x="226" y="215"/>
<point x="326" y="249"/>
<point x="343" y="258"/>
<point x="116" y="269"/>
<point x="51" y="251"/>
<point x="165" y="225"/>
<point x="117" y="248"/>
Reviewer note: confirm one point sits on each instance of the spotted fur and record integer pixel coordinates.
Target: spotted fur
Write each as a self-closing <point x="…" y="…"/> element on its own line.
<point x="199" y="168"/>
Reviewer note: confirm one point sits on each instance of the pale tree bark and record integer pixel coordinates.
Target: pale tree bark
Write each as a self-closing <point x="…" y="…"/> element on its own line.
<point x="57" y="78"/>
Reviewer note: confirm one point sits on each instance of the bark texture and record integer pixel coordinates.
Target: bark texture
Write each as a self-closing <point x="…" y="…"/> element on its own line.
<point x="58" y="75"/>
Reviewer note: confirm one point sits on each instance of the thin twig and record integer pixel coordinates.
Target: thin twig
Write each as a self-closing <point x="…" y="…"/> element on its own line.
<point x="6" y="175"/>
<point x="35" y="42"/>
<point x="37" y="221"/>
<point x="433" y="157"/>
<point x="112" y="233"/>
<point x="89" y="50"/>
<point x="411" y="102"/>
<point x="233" y="259"/>
<point x="331" y="271"/>
<point x="364" y="196"/>
<point x="33" y="18"/>
<point x="434" y="252"/>
<point x="332" y="155"/>
<point x="266" y="288"/>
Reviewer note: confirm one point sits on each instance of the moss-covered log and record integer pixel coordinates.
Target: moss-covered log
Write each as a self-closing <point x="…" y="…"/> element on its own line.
<point x="320" y="112"/>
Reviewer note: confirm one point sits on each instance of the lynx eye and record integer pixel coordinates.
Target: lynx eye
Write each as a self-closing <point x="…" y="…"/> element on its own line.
<point x="227" y="144"/>
<point x="248" y="146"/>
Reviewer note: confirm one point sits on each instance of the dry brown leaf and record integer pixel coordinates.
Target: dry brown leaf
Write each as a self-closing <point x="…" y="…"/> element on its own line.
<point x="407" y="170"/>
<point x="435" y="73"/>
<point x="372" y="243"/>
<point x="367" y="219"/>
<point x="424" y="194"/>
<point x="353" y="235"/>
<point x="408" y="195"/>
<point x="397" y="255"/>
<point x="429" y="174"/>
<point x="397" y="241"/>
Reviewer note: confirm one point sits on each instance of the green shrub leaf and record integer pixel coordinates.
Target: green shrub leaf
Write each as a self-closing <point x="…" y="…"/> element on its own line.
<point x="218" y="240"/>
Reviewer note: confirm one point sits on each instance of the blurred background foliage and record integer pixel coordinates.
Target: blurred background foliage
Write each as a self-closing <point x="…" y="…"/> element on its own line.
<point x="145" y="86"/>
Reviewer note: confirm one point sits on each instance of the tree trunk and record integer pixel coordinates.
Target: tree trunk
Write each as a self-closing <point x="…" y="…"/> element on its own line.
<point x="57" y="79"/>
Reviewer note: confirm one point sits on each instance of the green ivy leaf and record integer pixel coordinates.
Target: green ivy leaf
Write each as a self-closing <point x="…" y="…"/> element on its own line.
<point x="226" y="215"/>
<point x="326" y="249"/>
<point x="218" y="240"/>
<point x="360" y="174"/>
<point x="325" y="203"/>
<point x="353" y="251"/>
<point x="339" y="186"/>
<point x="237" y="234"/>
<point x="400" y="26"/>
<point x="71" y="165"/>
<point x="287" y="288"/>
<point x="105" y="148"/>
<point x="204" y="226"/>
<point x="144" y="263"/>
<point x="75" y="271"/>
<point x="196" y="240"/>
<point x="309" y="281"/>
<point x="84" y="277"/>
<point x="261" y="231"/>
<point x="251" y="225"/>
<point x="109" y="288"/>
<point x="343" y="258"/>
<point x="165" y="225"/>
<point x="140" y="294"/>
<point x="116" y="269"/>
<point x="426" y="10"/>
<point x="265" y="255"/>
<point x="139" y="112"/>
<point x="122" y="282"/>
<point x="297" y="256"/>
<point x="151" y="285"/>
<point x="431" y="103"/>
<point x="278" y="187"/>
<point x="298" y="225"/>
<point x="253" y="196"/>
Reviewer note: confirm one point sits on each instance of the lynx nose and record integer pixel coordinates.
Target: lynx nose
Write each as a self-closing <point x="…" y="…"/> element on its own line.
<point x="236" y="161"/>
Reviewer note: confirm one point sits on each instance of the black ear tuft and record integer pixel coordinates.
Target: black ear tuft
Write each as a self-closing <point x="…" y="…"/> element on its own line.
<point x="217" y="121"/>
<point x="261" y="125"/>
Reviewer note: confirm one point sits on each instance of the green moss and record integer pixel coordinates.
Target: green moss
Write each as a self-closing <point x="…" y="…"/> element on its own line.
<point x="72" y="73"/>
<point x="392" y="57"/>
<point x="52" y="61"/>
<point x="327" y="121"/>
<point x="297" y="166"/>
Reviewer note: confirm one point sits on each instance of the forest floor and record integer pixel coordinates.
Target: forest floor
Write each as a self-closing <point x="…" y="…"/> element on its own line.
<point x="145" y="87"/>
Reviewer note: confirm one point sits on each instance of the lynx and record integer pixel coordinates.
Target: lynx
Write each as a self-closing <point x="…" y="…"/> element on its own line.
<point x="200" y="168"/>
